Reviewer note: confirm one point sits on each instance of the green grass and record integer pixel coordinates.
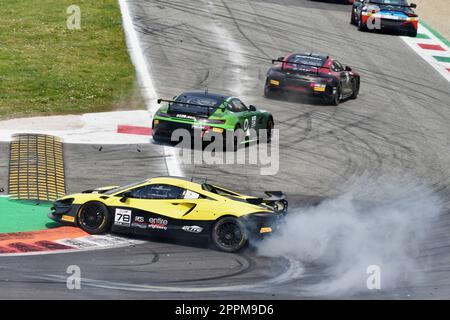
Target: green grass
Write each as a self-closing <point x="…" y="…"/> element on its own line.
<point x="45" y="68"/>
<point x="21" y="216"/>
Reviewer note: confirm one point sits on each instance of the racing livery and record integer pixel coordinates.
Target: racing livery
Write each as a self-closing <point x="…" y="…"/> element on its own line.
<point x="176" y="208"/>
<point x="396" y="15"/>
<point x="313" y="74"/>
<point x="205" y="113"/>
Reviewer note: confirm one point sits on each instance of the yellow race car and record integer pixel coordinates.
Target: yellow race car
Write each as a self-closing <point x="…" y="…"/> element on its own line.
<point x="173" y="207"/>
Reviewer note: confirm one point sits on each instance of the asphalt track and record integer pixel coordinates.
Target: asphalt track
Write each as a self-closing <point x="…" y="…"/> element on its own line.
<point x="396" y="129"/>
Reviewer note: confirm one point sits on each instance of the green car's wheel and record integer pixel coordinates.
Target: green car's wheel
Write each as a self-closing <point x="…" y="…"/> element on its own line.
<point x="269" y="132"/>
<point x="229" y="234"/>
<point x="157" y="139"/>
<point x="94" y="217"/>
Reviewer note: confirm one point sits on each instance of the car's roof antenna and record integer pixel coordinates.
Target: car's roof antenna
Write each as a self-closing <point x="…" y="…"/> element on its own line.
<point x="206" y="90"/>
<point x="192" y="178"/>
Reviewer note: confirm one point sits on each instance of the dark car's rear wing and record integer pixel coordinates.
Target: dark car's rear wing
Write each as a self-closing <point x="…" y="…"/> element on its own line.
<point x="301" y="64"/>
<point x="187" y="104"/>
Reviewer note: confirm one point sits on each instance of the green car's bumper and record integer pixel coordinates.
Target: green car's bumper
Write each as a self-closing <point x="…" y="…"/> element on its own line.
<point x="163" y="128"/>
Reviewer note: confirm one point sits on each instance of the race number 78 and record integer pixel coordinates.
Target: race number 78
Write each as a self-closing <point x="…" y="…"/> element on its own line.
<point x="122" y="217"/>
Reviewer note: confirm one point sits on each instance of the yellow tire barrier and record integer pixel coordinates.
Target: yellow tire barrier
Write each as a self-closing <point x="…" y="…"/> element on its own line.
<point x="36" y="167"/>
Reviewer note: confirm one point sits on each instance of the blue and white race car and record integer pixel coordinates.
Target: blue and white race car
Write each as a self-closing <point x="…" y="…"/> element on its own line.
<point x="395" y="15"/>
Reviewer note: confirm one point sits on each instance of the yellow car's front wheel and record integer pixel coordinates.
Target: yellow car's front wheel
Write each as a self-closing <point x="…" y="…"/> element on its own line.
<point x="94" y="217"/>
<point x="229" y="234"/>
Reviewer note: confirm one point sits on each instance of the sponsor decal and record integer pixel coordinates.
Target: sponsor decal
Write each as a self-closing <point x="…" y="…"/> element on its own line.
<point x="193" y="229"/>
<point x="122" y="217"/>
<point x="139" y="219"/>
<point x="68" y="218"/>
<point x="185" y="116"/>
<point x="253" y="125"/>
<point x="139" y="225"/>
<point x="158" y="223"/>
<point x="139" y="222"/>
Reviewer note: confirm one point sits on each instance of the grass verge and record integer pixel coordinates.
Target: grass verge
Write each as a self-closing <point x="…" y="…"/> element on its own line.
<point x="45" y="68"/>
<point x="21" y="216"/>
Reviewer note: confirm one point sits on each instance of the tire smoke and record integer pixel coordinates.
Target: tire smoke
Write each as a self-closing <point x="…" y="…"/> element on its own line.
<point x="342" y="238"/>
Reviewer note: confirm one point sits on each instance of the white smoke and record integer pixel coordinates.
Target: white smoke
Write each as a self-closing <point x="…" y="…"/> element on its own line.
<point x="342" y="237"/>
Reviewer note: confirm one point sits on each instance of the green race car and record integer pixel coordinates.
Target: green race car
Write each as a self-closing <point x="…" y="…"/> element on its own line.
<point x="205" y="114"/>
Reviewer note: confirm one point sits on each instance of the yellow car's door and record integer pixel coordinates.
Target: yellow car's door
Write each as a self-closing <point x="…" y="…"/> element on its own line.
<point x="159" y="207"/>
<point x="156" y="198"/>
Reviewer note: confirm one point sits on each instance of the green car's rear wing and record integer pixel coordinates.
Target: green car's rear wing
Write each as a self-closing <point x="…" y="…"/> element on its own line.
<point x="187" y="104"/>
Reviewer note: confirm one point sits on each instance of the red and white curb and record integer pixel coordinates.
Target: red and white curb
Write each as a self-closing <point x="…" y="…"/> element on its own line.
<point x="26" y="247"/>
<point x="432" y="49"/>
<point x="147" y="87"/>
<point x="90" y="128"/>
<point x="93" y="242"/>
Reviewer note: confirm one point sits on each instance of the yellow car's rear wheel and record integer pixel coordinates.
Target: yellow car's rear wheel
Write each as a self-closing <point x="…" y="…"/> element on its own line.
<point x="229" y="234"/>
<point x="94" y="217"/>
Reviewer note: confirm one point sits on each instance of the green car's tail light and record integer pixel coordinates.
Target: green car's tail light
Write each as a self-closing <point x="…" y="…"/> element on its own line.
<point x="213" y="121"/>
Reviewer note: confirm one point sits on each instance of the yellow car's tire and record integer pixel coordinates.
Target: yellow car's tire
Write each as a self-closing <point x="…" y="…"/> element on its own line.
<point x="229" y="234"/>
<point x="94" y="218"/>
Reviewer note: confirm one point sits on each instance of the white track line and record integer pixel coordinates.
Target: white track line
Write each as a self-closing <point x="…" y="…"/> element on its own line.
<point x="143" y="72"/>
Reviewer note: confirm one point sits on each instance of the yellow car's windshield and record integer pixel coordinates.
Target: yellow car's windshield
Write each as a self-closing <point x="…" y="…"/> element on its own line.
<point x="120" y="189"/>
